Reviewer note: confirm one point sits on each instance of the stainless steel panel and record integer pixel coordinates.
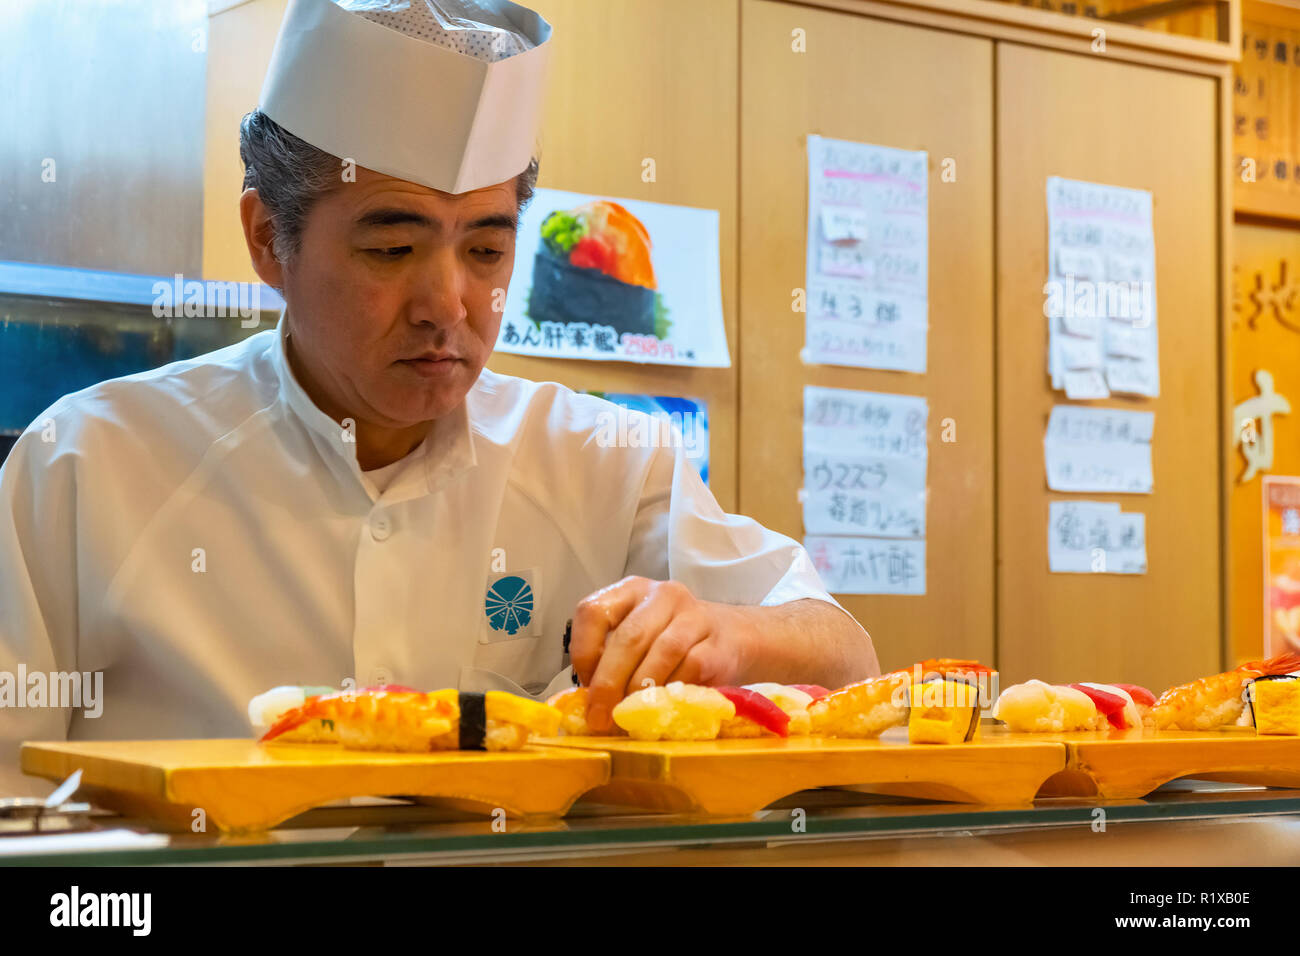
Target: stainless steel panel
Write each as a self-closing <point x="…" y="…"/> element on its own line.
<point x="112" y="92"/>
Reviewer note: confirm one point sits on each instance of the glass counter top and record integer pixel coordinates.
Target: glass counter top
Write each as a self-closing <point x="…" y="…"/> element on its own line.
<point x="399" y="832"/>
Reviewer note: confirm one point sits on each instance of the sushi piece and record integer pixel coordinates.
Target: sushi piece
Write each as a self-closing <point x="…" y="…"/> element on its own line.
<point x="815" y="691"/>
<point x="1113" y="702"/>
<point x="757" y="715"/>
<point x="794" y="699"/>
<point x="1218" y="700"/>
<point x="265" y="709"/>
<point x="413" y="722"/>
<point x="1038" y="707"/>
<point x="869" y="707"/>
<point x="676" y="711"/>
<point x="572" y="705"/>
<point x="1143" y="700"/>
<point x="1275" y="704"/>
<point x="943" y="711"/>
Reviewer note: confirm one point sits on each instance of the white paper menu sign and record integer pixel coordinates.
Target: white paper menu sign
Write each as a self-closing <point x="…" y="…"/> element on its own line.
<point x="1100" y="296"/>
<point x="1098" y="449"/>
<point x="867" y="265"/>
<point x="868" y="565"/>
<point x="864" y="489"/>
<point x="1095" y="537"/>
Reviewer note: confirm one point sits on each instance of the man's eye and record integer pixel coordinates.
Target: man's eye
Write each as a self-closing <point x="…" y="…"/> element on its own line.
<point x="391" y="252"/>
<point x="488" y="255"/>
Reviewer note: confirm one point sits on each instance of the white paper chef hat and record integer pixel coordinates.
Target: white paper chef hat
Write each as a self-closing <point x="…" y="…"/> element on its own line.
<point x="445" y="93"/>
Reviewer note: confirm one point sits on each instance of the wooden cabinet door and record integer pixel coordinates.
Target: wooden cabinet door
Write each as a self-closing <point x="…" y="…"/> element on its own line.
<point x="1082" y="117"/>
<point x="912" y="88"/>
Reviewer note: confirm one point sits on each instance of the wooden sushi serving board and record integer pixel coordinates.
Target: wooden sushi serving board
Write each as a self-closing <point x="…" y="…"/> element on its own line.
<point x="242" y="785"/>
<point x="1124" y="764"/>
<point x="741" y="776"/>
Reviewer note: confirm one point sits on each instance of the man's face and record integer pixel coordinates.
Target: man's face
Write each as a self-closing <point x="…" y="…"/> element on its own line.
<point x="391" y="295"/>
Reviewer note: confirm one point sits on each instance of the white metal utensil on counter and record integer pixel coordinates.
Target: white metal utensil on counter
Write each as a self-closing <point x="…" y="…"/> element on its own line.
<point x="22" y="816"/>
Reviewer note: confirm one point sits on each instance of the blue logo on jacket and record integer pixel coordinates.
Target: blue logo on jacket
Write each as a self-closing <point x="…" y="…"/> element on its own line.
<point x="509" y="604"/>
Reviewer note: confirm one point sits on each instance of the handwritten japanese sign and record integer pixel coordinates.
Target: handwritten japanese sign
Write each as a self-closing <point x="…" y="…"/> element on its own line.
<point x="865" y="461"/>
<point x="1100" y="297"/>
<point x="1095" y="537"/>
<point x="868" y="565"/>
<point x="867" y="255"/>
<point x="1098" y="449"/>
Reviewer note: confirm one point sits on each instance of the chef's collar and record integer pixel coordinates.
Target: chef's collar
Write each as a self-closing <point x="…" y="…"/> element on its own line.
<point x="446" y="452"/>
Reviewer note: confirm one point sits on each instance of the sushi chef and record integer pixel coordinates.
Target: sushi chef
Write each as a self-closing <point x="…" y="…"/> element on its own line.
<point x="351" y="496"/>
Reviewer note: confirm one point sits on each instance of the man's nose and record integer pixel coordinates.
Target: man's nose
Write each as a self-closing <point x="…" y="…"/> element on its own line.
<point x="438" y="296"/>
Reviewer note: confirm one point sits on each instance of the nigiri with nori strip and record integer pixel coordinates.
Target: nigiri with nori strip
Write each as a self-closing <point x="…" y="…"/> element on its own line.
<point x="943" y="711"/>
<point x="1275" y="704"/>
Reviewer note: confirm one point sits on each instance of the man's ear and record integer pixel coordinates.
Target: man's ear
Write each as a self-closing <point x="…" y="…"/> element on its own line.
<point x="258" y="234"/>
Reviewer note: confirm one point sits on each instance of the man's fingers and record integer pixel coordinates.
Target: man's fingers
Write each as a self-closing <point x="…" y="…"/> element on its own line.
<point x="625" y="646"/>
<point x="668" y="651"/>
<point x="595" y="616"/>
<point x="699" y="666"/>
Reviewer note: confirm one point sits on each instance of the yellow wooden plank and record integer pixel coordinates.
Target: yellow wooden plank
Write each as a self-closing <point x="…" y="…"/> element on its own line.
<point x="1128" y="764"/>
<point x="242" y="785"/>
<point x="739" y="777"/>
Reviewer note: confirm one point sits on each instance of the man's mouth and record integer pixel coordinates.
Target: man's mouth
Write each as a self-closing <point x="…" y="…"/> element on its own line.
<point x="432" y="364"/>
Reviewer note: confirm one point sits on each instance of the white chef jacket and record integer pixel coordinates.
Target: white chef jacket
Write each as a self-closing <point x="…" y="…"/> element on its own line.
<point x="202" y="532"/>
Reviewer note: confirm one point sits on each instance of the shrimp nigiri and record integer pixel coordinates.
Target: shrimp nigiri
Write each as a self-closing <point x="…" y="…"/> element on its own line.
<point x="413" y="722"/>
<point x="872" y="706"/>
<point x="266" y="708"/>
<point x="1216" y="701"/>
<point x="572" y="705"/>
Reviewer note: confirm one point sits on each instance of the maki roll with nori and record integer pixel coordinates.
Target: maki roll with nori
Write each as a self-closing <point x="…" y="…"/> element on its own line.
<point x="593" y="265"/>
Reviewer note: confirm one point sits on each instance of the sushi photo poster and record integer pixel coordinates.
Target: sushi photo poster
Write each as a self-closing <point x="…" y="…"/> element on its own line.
<point x="864" y="489"/>
<point x="616" y="280"/>
<point x="1281" y="496"/>
<point x="867" y="256"/>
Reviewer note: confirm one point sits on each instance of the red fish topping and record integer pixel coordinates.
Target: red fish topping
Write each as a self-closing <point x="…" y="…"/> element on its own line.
<point x="1112" y="705"/>
<point x="814" y="691"/>
<point x="754" y="706"/>
<point x="1140" y="695"/>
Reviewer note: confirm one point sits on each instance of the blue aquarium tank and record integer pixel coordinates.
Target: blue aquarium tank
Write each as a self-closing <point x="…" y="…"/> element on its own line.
<point x="64" y="329"/>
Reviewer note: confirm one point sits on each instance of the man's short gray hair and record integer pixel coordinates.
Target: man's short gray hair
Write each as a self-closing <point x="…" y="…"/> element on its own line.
<point x="290" y="175"/>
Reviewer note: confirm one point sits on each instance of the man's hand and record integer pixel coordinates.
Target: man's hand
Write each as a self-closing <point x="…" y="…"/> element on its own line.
<point x="638" y="631"/>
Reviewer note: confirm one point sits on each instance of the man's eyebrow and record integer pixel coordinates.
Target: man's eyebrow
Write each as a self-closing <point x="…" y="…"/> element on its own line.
<point x="394" y="216"/>
<point x="496" y="221"/>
